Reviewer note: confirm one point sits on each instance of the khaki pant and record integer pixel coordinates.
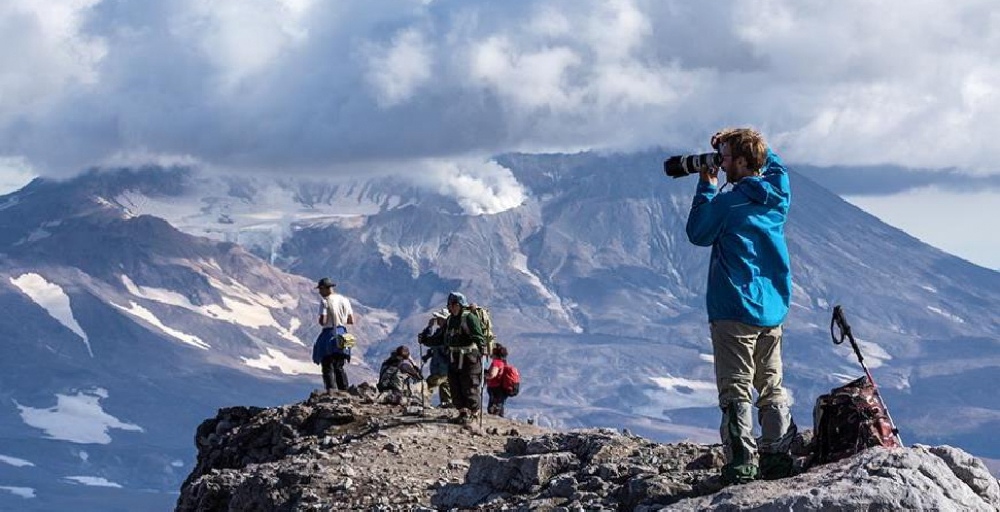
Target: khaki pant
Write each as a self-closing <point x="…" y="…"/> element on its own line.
<point x="748" y="358"/>
<point x="441" y="382"/>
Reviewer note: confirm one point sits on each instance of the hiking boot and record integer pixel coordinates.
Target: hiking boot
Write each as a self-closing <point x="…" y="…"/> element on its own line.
<point x="463" y="417"/>
<point x="775" y="465"/>
<point x="737" y="474"/>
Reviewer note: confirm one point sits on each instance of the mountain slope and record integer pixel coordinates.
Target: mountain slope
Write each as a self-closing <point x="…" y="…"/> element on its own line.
<point x="120" y="332"/>
<point x="181" y="285"/>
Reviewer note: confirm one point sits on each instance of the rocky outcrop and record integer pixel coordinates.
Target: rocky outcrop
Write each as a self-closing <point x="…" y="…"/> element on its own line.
<point x="345" y="452"/>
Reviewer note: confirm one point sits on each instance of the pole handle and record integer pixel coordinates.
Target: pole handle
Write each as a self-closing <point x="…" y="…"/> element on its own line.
<point x="839" y="321"/>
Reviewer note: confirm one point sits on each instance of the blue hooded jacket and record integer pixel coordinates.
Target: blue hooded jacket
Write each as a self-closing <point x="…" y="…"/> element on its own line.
<point x="749" y="274"/>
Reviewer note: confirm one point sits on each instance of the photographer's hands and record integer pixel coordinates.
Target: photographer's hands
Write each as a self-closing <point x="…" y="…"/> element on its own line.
<point x="711" y="174"/>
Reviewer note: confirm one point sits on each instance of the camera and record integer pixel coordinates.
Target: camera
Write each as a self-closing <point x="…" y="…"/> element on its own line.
<point x="682" y="165"/>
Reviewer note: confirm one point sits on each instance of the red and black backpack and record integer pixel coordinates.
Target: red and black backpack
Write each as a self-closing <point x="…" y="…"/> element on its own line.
<point x="510" y="380"/>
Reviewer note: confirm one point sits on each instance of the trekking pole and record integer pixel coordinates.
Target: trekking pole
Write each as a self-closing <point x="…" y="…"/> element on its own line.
<point x="840" y="321"/>
<point x="423" y="395"/>
<point x="482" y="383"/>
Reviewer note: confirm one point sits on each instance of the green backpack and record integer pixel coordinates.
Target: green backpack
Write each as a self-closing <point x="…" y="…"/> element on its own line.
<point x="483" y="314"/>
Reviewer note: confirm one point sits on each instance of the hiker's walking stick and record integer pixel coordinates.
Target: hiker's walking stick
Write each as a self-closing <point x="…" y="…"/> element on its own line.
<point x="482" y="383"/>
<point x="423" y="394"/>
<point x="840" y="321"/>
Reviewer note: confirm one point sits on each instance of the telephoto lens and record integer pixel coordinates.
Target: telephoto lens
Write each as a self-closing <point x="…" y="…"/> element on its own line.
<point x="682" y="165"/>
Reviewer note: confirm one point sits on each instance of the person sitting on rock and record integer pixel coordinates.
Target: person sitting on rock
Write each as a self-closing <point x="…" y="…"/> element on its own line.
<point x="395" y="375"/>
<point x="494" y="381"/>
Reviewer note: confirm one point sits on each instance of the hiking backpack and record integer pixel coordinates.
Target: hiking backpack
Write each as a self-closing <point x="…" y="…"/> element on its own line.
<point x="389" y="376"/>
<point x="848" y="420"/>
<point x="510" y="380"/>
<point x="483" y="314"/>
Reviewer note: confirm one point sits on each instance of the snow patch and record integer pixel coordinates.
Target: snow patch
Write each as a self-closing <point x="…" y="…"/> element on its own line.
<point x="262" y="214"/>
<point x="34" y="236"/>
<point x="949" y="316"/>
<point x="78" y="418"/>
<point x="519" y="262"/>
<point x="929" y="288"/>
<point x="14" y="461"/>
<point x="842" y="378"/>
<point x="13" y="201"/>
<point x="708" y="358"/>
<point x="679" y="393"/>
<point x="93" y="481"/>
<point x="52" y="299"/>
<point x="875" y="355"/>
<point x="277" y="360"/>
<point x="240" y="305"/>
<point x="24" y="492"/>
<point x="148" y="316"/>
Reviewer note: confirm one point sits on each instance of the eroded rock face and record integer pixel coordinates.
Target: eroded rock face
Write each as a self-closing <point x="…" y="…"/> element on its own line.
<point x="345" y="452"/>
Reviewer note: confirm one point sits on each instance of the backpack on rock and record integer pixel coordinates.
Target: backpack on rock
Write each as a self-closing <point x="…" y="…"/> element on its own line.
<point x="848" y="420"/>
<point x="854" y="416"/>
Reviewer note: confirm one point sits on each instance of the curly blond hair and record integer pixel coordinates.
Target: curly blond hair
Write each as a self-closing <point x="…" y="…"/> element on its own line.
<point x="747" y="143"/>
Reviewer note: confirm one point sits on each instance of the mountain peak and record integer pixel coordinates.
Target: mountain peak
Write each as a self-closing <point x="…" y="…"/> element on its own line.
<point x="345" y="451"/>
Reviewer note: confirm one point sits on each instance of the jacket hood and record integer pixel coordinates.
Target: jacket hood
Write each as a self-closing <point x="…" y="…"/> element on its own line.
<point x="758" y="190"/>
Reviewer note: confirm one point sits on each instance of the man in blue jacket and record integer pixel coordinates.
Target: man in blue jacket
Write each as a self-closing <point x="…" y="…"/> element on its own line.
<point x="749" y="290"/>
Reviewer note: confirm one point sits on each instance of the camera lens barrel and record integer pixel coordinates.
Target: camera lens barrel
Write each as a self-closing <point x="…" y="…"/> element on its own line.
<point x="682" y="165"/>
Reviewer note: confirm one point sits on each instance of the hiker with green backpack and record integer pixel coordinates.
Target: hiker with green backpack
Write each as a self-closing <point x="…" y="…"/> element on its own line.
<point x="465" y="341"/>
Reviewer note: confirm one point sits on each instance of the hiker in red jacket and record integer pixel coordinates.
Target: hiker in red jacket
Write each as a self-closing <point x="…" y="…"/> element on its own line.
<point x="494" y="381"/>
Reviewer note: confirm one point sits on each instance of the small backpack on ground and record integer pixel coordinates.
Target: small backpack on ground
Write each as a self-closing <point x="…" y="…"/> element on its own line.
<point x="848" y="420"/>
<point x="483" y="314"/>
<point x="510" y="380"/>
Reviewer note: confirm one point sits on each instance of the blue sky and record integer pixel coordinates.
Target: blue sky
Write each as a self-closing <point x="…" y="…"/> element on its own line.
<point x="314" y="86"/>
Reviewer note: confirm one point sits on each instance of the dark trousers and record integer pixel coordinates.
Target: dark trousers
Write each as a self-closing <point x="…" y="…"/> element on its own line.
<point x="333" y="371"/>
<point x="497" y="400"/>
<point x="465" y="372"/>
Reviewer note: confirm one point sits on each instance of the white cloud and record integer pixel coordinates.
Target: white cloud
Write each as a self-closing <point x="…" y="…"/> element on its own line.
<point x="480" y="187"/>
<point x="14" y="174"/>
<point x="76" y="418"/>
<point x="527" y="78"/>
<point x="242" y="38"/>
<point x="45" y="51"/>
<point x="301" y="84"/>
<point x="398" y="69"/>
<point x="54" y="300"/>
